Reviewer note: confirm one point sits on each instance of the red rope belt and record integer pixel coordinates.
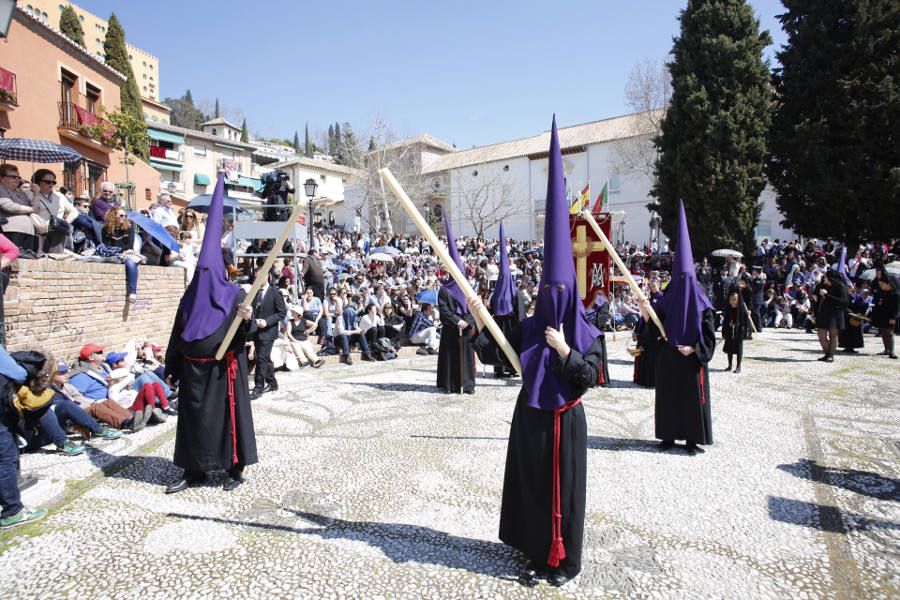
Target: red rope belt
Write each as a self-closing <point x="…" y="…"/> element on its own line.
<point x="232" y="374"/>
<point x="557" y="550"/>
<point x="600" y="378"/>
<point x="702" y="387"/>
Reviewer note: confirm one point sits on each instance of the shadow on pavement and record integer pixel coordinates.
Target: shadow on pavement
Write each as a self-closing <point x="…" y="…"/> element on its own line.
<point x="397" y="387"/>
<point x="823" y="518"/>
<point x="780" y="358"/>
<point x="622" y="444"/>
<point x="866" y="483"/>
<point x="401" y="543"/>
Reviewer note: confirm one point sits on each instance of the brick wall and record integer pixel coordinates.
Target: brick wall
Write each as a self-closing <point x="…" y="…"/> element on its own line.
<point x="61" y="306"/>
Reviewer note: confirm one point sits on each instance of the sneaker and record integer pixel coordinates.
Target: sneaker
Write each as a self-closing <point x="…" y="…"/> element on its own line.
<point x="349" y="360"/>
<point x="157" y="416"/>
<point x="423" y="351"/>
<point x="148" y="414"/>
<point x="70" y="448"/>
<point x="25" y="515"/>
<point x="137" y="421"/>
<point x="132" y="298"/>
<point x="109" y="433"/>
<point x="432" y="351"/>
<point x="318" y="363"/>
<point x="172" y="412"/>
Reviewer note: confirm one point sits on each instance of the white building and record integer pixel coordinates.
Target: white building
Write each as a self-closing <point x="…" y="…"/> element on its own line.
<point x="514" y="174"/>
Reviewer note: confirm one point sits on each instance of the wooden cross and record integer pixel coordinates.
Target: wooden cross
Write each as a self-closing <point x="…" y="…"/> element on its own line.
<point x="581" y="249"/>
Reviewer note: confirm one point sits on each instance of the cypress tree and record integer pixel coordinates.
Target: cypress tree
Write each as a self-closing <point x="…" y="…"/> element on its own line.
<point x="713" y="141"/>
<point x="117" y="58"/>
<point x="217" y="108"/>
<point x="245" y="135"/>
<point x="296" y="144"/>
<point x="371" y="143"/>
<point x="70" y="25"/>
<point x="307" y="146"/>
<point x="330" y="147"/>
<point x="835" y="156"/>
<point x="188" y="98"/>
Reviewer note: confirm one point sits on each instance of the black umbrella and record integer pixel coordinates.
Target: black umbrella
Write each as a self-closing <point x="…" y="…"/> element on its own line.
<point x="41" y="151"/>
<point x="201" y="204"/>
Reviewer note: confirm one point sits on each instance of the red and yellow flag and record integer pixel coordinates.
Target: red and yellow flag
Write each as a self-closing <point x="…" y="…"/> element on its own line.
<point x="583" y="200"/>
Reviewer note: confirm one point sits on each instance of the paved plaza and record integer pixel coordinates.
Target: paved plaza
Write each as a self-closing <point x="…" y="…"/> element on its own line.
<point x="372" y="485"/>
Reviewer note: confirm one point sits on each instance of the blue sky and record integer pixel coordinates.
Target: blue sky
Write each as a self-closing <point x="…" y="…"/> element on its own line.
<point x="469" y="73"/>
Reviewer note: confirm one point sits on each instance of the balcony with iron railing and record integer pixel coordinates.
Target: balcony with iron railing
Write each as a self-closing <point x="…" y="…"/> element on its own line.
<point x="9" y="96"/>
<point x="83" y="126"/>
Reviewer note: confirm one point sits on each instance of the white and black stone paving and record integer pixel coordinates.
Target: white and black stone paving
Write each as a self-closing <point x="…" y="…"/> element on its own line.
<point x="373" y="485"/>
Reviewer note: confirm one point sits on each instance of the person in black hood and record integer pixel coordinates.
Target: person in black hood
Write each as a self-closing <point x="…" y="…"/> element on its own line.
<point x="833" y="300"/>
<point x="886" y="311"/>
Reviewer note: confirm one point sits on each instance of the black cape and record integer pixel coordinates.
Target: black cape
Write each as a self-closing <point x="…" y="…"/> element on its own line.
<point x="506" y="323"/>
<point x="525" y="513"/>
<point x="645" y="363"/>
<point x="851" y="336"/>
<point x="599" y="316"/>
<point x="456" y="356"/>
<point x="203" y="437"/>
<point x="682" y="385"/>
<point x="734" y="328"/>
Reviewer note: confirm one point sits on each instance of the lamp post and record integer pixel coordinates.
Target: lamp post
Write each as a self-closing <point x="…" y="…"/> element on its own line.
<point x="310" y="187"/>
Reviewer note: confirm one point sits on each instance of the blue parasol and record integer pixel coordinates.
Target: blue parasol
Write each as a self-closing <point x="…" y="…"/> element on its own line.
<point x="157" y="230"/>
<point x="427" y="297"/>
<point x="385" y="250"/>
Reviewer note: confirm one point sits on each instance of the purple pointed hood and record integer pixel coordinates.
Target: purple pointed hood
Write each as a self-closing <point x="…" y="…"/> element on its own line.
<point x="842" y="264"/>
<point x="451" y="286"/>
<point x="209" y="298"/>
<point x="503" y="298"/>
<point x="684" y="300"/>
<point x="557" y="300"/>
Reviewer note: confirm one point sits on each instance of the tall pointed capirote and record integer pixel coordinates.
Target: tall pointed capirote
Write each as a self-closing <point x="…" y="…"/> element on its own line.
<point x="451" y="286"/>
<point x="684" y="300"/>
<point x="209" y="298"/>
<point x="503" y="298"/>
<point x="557" y="300"/>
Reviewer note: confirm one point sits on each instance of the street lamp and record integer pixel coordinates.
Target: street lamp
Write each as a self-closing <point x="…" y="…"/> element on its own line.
<point x="310" y="187"/>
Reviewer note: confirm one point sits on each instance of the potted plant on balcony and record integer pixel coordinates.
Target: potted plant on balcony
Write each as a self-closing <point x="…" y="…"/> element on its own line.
<point x="8" y="96"/>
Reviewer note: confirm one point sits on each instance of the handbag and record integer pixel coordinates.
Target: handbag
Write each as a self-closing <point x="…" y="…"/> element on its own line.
<point x="55" y="224"/>
<point x="40" y="224"/>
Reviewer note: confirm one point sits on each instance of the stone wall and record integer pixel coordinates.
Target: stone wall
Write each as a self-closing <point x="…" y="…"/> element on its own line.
<point x="63" y="305"/>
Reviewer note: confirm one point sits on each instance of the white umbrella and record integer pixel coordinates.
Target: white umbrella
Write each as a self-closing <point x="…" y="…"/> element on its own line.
<point x="869" y="275"/>
<point x="722" y="252"/>
<point x="381" y="257"/>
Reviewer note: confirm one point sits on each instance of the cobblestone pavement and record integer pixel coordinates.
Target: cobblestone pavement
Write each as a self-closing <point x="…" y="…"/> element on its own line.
<point x="372" y="485"/>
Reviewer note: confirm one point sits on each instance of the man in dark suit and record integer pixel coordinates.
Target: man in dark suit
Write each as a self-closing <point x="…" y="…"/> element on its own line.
<point x="758" y="285"/>
<point x="269" y="310"/>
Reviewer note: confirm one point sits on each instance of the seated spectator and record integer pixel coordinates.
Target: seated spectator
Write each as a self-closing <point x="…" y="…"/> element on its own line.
<point x="394" y="328"/>
<point x="297" y="332"/>
<point x="106" y="199"/>
<point x="118" y="232"/>
<point x="372" y="324"/>
<point x="424" y="330"/>
<point x="164" y="214"/>
<point x="52" y="204"/>
<point x="34" y="403"/>
<point x="783" y="316"/>
<point x="190" y="223"/>
<point x="86" y="230"/>
<point x="16" y="207"/>
<point x="312" y="306"/>
<point x="142" y="378"/>
<point x="347" y="332"/>
<point x="104" y="411"/>
<point x="144" y="400"/>
<point x="12" y="512"/>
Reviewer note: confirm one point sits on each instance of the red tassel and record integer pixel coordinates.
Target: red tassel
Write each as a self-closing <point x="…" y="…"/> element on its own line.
<point x="557" y="553"/>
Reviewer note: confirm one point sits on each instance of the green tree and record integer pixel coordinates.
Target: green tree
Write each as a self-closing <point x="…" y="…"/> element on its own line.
<point x="117" y="58"/>
<point x="835" y="155"/>
<point x="245" y="135"/>
<point x="217" y="108"/>
<point x="296" y="144"/>
<point x="188" y="98"/>
<point x="70" y="25"/>
<point x="128" y="132"/>
<point x="184" y="113"/>
<point x="713" y="141"/>
<point x="371" y="143"/>
<point x="306" y="145"/>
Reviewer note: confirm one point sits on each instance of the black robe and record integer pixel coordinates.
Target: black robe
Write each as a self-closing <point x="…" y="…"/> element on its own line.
<point x="506" y="323"/>
<point x="645" y="363"/>
<point x="682" y="385"/>
<point x="851" y="336"/>
<point x="734" y="328"/>
<point x="526" y="509"/>
<point x="203" y="437"/>
<point x="456" y="357"/>
<point x="599" y="316"/>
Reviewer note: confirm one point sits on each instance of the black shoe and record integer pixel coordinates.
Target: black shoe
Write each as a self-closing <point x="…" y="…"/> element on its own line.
<point x="349" y="360"/>
<point x="557" y="579"/>
<point x="470" y="392"/>
<point x="528" y="572"/>
<point x="272" y="387"/>
<point x="666" y="445"/>
<point x="256" y="393"/>
<point x="894" y="356"/>
<point x="423" y="351"/>
<point x="187" y="479"/>
<point x="171" y="411"/>
<point x="231" y="483"/>
<point x="737" y="370"/>
<point x="318" y="363"/>
<point x="691" y="448"/>
<point x="823" y="358"/>
<point x="829" y="358"/>
<point x="433" y="351"/>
